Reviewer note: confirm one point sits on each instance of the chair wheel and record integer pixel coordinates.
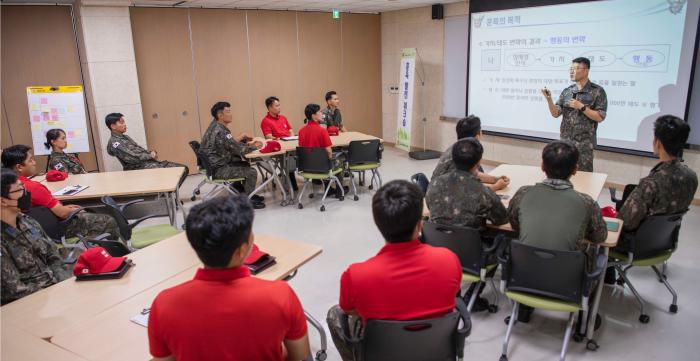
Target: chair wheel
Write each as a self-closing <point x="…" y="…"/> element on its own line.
<point x="371" y="186"/>
<point x="673" y="309"/>
<point x="503" y="358"/>
<point x="644" y="318"/>
<point x="620" y="281"/>
<point x="311" y="195"/>
<point x="193" y="198"/>
<point x="300" y="206"/>
<point x="493" y="308"/>
<point x="341" y="198"/>
<point x="356" y="198"/>
<point x="323" y="208"/>
<point x="578" y="337"/>
<point x="197" y="192"/>
<point x="506" y="320"/>
<point x="592" y="345"/>
<point x="321" y="355"/>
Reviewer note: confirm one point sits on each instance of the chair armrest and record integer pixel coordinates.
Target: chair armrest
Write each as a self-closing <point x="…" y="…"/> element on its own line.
<point x="139" y="220"/>
<point x="128" y="204"/>
<point x="599" y="267"/>
<point x="84" y="239"/>
<point x="466" y="329"/>
<point x="613" y="196"/>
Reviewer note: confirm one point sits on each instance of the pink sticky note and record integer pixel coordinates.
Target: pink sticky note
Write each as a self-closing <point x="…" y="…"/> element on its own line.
<point x="36" y="118"/>
<point x="44" y="116"/>
<point x="44" y="100"/>
<point x="71" y="134"/>
<point x="54" y="111"/>
<point x="54" y="117"/>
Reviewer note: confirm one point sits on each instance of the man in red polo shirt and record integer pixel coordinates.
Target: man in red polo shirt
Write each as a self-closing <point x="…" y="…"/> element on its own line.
<point x="224" y="314"/>
<point x="20" y="159"/>
<point x="313" y="135"/>
<point x="406" y="280"/>
<point x="275" y="125"/>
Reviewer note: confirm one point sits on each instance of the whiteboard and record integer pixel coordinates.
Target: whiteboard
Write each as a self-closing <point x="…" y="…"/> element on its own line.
<point x="58" y="107"/>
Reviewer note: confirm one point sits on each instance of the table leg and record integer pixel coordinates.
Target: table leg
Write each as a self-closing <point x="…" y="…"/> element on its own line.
<point x="593" y="312"/>
<point x="285" y="174"/>
<point x="274" y="178"/>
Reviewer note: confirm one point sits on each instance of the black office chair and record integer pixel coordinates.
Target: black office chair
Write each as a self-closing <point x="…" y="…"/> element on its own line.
<point x="651" y="244"/>
<point x="205" y="167"/>
<point x="437" y="339"/>
<point x="546" y="279"/>
<point x="56" y="228"/>
<point x="143" y="236"/>
<point x="114" y="248"/>
<point x="421" y="181"/>
<point x="313" y="164"/>
<point x="364" y="155"/>
<point x="625" y="193"/>
<point x="477" y="260"/>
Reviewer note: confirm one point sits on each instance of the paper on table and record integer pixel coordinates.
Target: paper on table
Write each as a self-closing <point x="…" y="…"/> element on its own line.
<point x="295" y="137"/>
<point x="142" y="317"/>
<point x="70" y="190"/>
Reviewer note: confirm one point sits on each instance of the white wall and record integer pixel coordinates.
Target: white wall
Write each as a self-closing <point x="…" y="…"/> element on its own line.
<point x="415" y="28"/>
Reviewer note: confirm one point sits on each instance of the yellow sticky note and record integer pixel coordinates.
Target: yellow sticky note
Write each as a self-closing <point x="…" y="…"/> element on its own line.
<point x="70" y="109"/>
<point x="45" y="109"/>
<point x="50" y="122"/>
<point x="36" y="126"/>
<point x="76" y="133"/>
<point x="35" y="107"/>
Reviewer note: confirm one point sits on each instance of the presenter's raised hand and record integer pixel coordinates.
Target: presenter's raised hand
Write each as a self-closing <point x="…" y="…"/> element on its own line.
<point x="546" y="93"/>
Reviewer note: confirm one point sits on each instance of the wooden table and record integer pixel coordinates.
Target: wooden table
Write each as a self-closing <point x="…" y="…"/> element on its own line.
<point x="124" y="183"/>
<point x="18" y="345"/>
<point x="121" y="339"/>
<point x="278" y="160"/>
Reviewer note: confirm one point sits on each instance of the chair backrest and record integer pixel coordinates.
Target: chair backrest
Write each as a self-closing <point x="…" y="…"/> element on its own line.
<point x="313" y="160"/>
<point x="419" y="340"/>
<point x="51" y="224"/>
<point x="465" y="242"/>
<point x="421" y="180"/>
<point x="113" y="209"/>
<point x="656" y="234"/>
<point x="363" y="151"/>
<point x="543" y="272"/>
<point x="195" y="145"/>
<point x="114" y="248"/>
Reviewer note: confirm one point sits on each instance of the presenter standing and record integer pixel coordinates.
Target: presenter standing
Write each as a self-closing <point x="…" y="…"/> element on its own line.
<point x="583" y="105"/>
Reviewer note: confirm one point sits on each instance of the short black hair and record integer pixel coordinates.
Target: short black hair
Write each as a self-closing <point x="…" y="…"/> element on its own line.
<point x="468" y="127"/>
<point x="466" y="153"/>
<point x="217" y="227"/>
<point x="52" y="135"/>
<point x="582" y="60"/>
<point x="330" y="95"/>
<point x="270" y="100"/>
<point x="9" y="177"/>
<point x="218" y="108"/>
<point x="112" y="118"/>
<point x="672" y="132"/>
<point x="14" y="155"/>
<point x="559" y="159"/>
<point x="310" y="110"/>
<point x="397" y="208"/>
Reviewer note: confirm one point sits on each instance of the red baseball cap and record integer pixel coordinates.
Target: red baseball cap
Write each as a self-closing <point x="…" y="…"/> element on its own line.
<point x="55" y="175"/>
<point x="95" y="261"/>
<point x="255" y="255"/>
<point x="608" y="211"/>
<point x="333" y="130"/>
<point x="271" y="146"/>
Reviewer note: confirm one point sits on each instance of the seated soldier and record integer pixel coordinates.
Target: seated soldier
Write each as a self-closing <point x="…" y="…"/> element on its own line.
<point x="406" y="280"/>
<point x="224" y="313"/>
<point x="30" y="259"/>
<point x="469" y="127"/>
<point x="131" y="155"/>
<point x="225" y="152"/>
<point x="458" y="198"/>
<point x="20" y="159"/>
<point x="59" y="159"/>
<point x="551" y="214"/>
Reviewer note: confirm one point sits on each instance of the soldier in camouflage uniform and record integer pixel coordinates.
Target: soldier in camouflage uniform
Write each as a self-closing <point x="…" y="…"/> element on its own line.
<point x="331" y="115"/>
<point x="59" y="160"/>
<point x="670" y="186"/>
<point x="130" y="154"/>
<point x="583" y="105"/>
<point x="30" y="260"/>
<point x="458" y="198"/>
<point x="225" y="152"/>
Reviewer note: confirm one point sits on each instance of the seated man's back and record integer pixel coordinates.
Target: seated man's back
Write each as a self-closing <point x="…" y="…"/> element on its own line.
<point x="404" y="281"/>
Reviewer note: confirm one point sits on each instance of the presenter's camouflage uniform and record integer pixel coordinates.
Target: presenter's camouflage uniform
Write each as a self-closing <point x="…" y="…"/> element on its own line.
<point x="458" y="198"/>
<point x="225" y="156"/>
<point x="576" y="127"/>
<point x="669" y="188"/>
<point x="65" y="162"/>
<point x="132" y="156"/>
<point x="30" y="260"/>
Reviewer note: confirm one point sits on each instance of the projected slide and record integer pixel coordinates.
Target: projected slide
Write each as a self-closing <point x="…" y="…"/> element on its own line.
<point x="636" y="50"/>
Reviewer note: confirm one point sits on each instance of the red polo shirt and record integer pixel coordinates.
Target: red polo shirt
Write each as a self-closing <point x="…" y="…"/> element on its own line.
<point x="277" y="126"/>
<point x="41" y="196"/>
<point x="224" y="314"/>
<point x="313" y="135"/>
<point x="404" y="281"/>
